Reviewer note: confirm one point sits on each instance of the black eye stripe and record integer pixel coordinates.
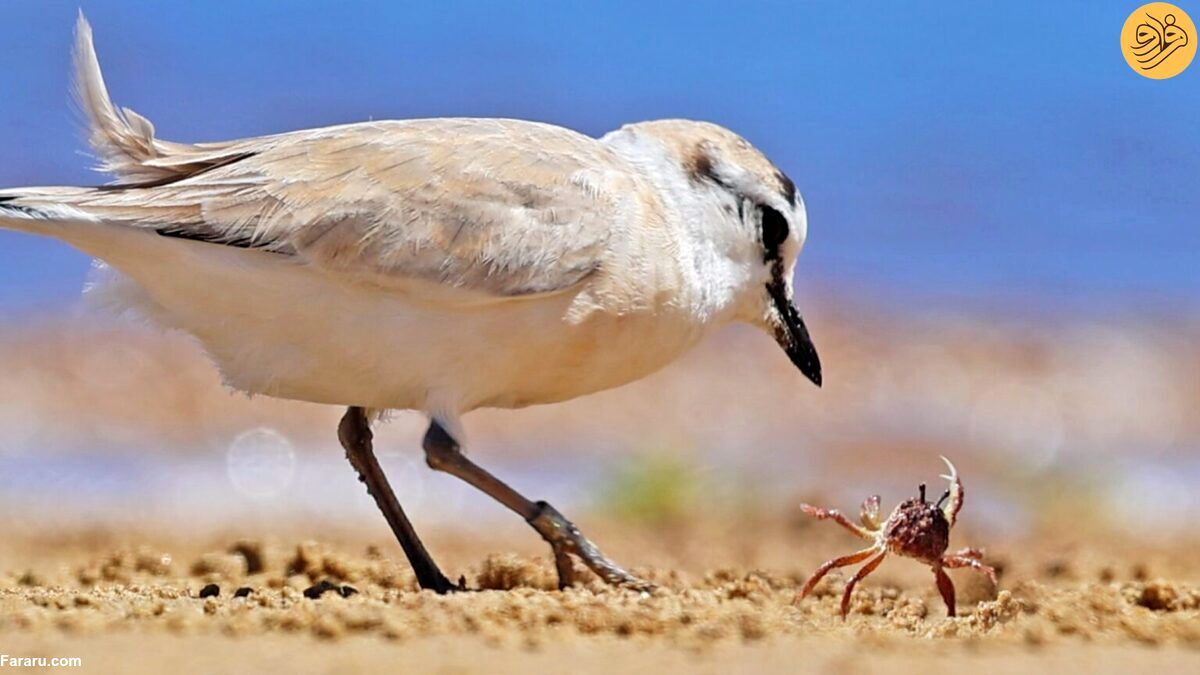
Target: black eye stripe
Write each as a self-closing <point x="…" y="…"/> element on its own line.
<point x="774" y="232"/>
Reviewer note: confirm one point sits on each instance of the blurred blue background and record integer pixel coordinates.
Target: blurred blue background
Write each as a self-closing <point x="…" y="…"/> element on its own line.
<point x="984" y="155"/>
<point x="965" y="167"/>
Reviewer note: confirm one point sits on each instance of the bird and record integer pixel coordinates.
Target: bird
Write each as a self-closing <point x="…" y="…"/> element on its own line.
<point x="435" y="265"/>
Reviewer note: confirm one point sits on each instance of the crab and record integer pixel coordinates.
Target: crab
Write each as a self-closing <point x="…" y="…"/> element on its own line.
<point x="916" y="529"/>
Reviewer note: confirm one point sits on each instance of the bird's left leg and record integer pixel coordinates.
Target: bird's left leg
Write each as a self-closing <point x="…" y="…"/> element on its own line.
<point x="442" y="453"/>
<point x="354" y="432"/>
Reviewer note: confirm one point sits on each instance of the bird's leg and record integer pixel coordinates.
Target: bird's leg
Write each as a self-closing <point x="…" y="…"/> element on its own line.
<point x="946" y="588"/>
<point x="442" y="453"/>
<point x="354" y="432"/>
<point x="838" y="517"/>
<point x="859" y="576"/>
<point x="962" y="559"/>
<point x="833" y="564"/>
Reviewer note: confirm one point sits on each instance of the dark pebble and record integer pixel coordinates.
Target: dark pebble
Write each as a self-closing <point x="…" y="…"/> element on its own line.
<point x="243" y="592"/>
<point x="347" y="591"/>
<point x="1056" y="569"/>
<point x="210" y="591"/>
<point x="320" y="588"/>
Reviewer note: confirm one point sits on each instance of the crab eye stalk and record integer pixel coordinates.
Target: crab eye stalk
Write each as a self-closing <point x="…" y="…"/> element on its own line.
<point x="921" y="491"/>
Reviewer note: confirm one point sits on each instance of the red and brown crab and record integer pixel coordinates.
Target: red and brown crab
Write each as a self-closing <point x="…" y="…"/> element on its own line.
<point x="916" y="529"/>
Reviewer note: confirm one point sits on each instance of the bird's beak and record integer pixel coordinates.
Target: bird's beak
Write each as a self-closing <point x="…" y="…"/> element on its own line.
<point x="790" y="331"/>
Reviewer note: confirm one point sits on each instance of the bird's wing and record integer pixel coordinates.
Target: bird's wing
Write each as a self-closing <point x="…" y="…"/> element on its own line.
<point x="499" y="207"/>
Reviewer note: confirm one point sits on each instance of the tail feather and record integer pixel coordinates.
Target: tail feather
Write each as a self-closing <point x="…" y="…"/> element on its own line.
<point x="125" y="145"/>
<point x="41" y="210"/>
<point x="123" y="140"/>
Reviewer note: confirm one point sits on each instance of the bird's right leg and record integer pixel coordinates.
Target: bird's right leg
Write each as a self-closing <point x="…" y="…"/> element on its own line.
<point x="354" y="432"/>
<point x="442" y="453"/>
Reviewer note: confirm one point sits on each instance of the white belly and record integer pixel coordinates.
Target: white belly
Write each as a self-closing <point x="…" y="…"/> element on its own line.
<point x="282" y="329"/>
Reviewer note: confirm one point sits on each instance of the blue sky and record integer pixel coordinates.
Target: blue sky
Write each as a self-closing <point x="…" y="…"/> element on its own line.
<point x="950" y="154"/>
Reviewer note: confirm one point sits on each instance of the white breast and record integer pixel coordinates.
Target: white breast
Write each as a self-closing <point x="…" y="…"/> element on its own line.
<point x="283" y="329"/>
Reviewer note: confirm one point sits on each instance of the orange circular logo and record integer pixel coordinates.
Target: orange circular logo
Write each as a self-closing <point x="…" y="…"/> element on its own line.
<point x="1158" y="40"/>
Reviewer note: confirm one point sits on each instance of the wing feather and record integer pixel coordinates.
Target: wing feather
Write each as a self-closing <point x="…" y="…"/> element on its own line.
<point x="502" y="207"/>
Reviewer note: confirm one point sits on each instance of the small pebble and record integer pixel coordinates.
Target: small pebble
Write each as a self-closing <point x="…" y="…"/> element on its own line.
<point x="210" y="591"/>
<point x="320" y="588"/>
<point x="324" y="586"/>
<point x="243" y="592"/>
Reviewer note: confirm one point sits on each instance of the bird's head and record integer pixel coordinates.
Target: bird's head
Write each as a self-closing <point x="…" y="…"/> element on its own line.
<point x="746" y="221"/>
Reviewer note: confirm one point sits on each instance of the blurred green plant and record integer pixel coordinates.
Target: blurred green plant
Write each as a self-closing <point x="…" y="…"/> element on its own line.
<point x="653" y="488"/>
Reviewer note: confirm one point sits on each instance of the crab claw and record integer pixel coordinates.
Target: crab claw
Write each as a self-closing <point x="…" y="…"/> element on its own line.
<point x="956" y="493"/>
<point x="869" y="514"/>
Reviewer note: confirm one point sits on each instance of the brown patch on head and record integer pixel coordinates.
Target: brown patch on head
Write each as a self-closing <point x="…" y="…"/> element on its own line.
<point x="700" y="146"/>
<point x="700" y="165"/>
<point x="697" y="144"/>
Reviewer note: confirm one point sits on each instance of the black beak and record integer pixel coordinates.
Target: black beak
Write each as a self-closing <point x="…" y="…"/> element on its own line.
<point x="791" y="333"/>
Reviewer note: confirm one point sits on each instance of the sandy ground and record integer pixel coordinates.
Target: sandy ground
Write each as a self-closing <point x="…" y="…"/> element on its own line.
<point x="1077" y="443"/>
<point x="131" y="602"/>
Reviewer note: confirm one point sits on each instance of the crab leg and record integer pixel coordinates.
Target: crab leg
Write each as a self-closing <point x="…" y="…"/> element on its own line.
<point x="838" y="517"/>
<point x="843" y="561"/>
<point x="946" y="587"/>
<point x="958" y="560"/>
<point x="862" y="574"/>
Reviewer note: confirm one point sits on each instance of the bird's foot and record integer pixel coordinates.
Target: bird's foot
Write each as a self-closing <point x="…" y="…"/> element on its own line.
<point x="440" y="584"/>
<point x="566" y="539"/>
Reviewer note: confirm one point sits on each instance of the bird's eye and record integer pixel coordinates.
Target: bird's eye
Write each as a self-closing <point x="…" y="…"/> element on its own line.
<point x="774" y="231"/>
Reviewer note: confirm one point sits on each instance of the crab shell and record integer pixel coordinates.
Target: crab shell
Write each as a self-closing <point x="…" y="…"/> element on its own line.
<point x="917" y="529"/>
